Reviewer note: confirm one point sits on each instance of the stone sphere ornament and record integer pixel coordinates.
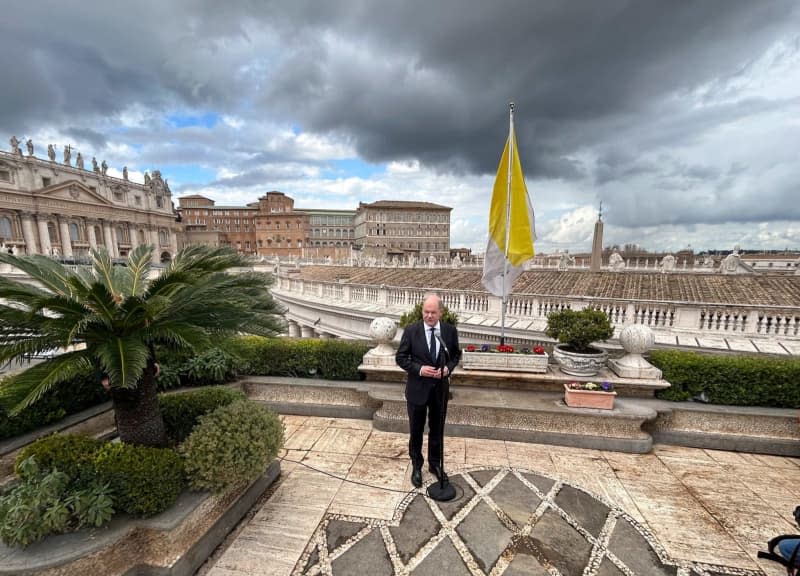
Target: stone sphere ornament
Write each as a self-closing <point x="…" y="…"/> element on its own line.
<point x="382" y="329"/>
<point x="637" y="338"/>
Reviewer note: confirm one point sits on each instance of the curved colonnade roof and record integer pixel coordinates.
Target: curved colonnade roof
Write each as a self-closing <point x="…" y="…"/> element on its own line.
<point x="695" y="288"/>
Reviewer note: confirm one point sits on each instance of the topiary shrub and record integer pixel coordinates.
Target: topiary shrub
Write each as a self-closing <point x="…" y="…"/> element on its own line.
<point x="340" y="359"/>
<point x="579" y="328"/>
<point x="181" y="411"/>
<point x="78" y="394"/>
<point x="231" y="446"/>
<point x="144" y="480"/>
<point x="331" y="359"/>
<point x="45" y="503"/>
<point x="415" y="315"/>
<point x="733" y="380"/>
<point x="71" y="454"/>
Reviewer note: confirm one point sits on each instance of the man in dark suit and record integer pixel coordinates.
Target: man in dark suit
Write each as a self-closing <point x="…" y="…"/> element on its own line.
<point x="420" y="354"/>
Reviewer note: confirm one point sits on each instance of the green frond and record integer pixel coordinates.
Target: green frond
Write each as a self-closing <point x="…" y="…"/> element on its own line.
<point x="139" y="264"/>
<point x="49" y="273"/>
<point x="123" y="359"/>
<point x="24" y="388"/>
<point x="104" y="269"/>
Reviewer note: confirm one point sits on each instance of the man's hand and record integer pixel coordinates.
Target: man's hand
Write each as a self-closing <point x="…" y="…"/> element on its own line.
<point x="431" y="372"/>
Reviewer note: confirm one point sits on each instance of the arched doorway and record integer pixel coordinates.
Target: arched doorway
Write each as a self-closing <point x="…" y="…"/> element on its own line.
<point x="166" y="257"/>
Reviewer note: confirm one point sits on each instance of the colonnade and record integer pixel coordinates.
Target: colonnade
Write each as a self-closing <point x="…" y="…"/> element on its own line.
<point x="69" y="236"/>
<point x="297" y="330"/>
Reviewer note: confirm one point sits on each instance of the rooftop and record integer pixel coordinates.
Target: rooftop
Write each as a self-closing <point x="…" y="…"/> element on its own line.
<point x="731" y="290"/>
<point x="405" y="205"/>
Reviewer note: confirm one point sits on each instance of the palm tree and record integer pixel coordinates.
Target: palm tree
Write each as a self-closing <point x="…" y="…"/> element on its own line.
<point x="111" y="318"/>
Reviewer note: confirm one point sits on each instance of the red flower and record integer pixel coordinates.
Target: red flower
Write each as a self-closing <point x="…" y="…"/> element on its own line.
<point x="505" y="348"/>
<point x="538" y="350"/>
<point x="471" y="348"/>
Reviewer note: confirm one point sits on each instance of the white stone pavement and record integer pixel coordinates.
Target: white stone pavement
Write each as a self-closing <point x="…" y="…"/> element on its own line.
<point x="702" y="505"/>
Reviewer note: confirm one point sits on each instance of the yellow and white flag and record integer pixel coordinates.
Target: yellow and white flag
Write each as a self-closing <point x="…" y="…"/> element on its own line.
<point x="511" y="226"/>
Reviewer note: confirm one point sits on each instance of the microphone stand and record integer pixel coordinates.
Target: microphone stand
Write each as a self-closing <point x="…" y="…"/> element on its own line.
<point x="442" y="491"/>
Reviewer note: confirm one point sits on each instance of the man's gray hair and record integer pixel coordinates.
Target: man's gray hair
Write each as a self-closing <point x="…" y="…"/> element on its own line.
<point x="433" y="295"/>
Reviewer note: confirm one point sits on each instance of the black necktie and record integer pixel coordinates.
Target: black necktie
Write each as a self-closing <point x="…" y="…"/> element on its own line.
<point x="433" y="344"/>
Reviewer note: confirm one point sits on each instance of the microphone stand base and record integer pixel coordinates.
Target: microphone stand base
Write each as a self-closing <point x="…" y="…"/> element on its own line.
<point x="441" y="491"/>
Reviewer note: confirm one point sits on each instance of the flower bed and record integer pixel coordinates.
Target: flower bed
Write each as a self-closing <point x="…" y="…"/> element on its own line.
<point x="504" y="358"/>
<point x="589" y="395"/>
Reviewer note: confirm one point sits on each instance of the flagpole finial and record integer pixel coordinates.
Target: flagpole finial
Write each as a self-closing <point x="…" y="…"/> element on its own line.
<point x="511" y="106"/>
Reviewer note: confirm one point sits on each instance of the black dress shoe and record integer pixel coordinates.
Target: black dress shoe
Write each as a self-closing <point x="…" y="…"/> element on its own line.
<point x="416" y="477"/>
<point x="436" y="471"/>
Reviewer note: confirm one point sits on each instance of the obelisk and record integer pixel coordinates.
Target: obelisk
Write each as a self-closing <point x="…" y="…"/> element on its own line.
<point x="597" y="243"/>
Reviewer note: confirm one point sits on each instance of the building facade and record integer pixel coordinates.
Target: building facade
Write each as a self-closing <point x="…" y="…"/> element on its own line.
<point x="331" y="234"/>
<point x="398" y="230"/>
<point x="269" y="227"/>
<point x="57" y="209"/>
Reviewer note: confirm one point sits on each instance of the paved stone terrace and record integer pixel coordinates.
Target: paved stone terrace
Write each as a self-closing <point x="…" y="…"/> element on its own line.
<point x="527" y="509"/>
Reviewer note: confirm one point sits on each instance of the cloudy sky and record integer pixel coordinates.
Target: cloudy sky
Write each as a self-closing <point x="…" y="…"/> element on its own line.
<point x="682" y="117"/>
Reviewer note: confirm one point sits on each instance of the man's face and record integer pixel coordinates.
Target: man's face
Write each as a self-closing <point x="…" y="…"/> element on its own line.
<point x="431" y="312"/>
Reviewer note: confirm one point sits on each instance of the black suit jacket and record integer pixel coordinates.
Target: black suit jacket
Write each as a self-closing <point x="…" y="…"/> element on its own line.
<point x="414" y="353"/>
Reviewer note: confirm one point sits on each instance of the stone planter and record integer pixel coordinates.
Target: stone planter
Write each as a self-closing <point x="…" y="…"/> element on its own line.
<point x="589" y="398"/>
<point x="580" y="363"/>
<point x="506" y="362"/>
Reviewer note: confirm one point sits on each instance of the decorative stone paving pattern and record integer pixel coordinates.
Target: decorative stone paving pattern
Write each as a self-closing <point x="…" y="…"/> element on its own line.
<point x="505" y="521"/>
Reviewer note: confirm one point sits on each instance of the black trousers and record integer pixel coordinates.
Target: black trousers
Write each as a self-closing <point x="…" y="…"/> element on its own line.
<point x="417" y="414"/>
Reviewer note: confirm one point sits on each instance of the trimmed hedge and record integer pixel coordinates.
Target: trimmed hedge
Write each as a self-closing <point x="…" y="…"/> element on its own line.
<point x="144" y="480"/>
<point x="82" y="392"/>
<point x="71" y="454"/>
<point x="732" y="380"/>
<point x="306" y="358"/>
<point x="232" y="446"/>
<point x="182" y="411"/>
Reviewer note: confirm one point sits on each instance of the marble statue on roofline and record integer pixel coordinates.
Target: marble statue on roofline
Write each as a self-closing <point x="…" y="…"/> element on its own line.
<point x="15" y="145"/>
<point x="124" y="172"/>
<point x="29" y="144"/>
<point x="147" y="178"/>
<point x="95" y="167"/>
<point x="564" y="260"/>
<point x="731" y="262"/>
<point x="79" y="161"/>
<point x="103" y="168"/>
<point x="615" y="262"/>
<point x="51" y="152"/>
<point x="667" y="263"/>
<point x="68" y="155"/>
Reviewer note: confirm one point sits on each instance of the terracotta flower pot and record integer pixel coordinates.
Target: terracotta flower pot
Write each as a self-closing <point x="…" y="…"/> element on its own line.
<point x="588" y="398"/>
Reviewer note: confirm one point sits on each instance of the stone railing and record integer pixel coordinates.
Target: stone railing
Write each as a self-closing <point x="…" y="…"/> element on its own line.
<point x="688" y="322"/>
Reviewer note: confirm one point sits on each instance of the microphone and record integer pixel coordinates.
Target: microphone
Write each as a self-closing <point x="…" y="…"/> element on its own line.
<point x="443" y="345"/>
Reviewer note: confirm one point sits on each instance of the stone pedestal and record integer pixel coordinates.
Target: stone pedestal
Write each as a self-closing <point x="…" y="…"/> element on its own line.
<point x="636" y="339"/>
<point x="383" y="330"/>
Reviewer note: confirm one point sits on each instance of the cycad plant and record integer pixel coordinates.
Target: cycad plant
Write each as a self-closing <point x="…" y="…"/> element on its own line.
<point x="111" y="319"/>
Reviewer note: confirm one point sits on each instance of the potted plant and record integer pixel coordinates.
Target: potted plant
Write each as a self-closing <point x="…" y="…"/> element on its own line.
<point x="576" y="330"/>
<point x="506" y="358"/>
<point x="589" y="395"/>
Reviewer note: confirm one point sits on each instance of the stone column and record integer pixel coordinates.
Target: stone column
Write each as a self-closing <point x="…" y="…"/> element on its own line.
<point x="28" y="232"/>
<point x="294" y="329"/>
<point x="66" y="243"/>
<point x="44" y="235"/>
<point x="90" y="234"/>
<point x="133" y="237"/>
<point x="173" y="242"/>
<point x="156" y="245"/>
<point x="108" y="234"/>
<point x="306" y="332"/>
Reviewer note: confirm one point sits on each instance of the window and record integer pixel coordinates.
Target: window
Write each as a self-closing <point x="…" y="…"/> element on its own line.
<point x="74" y="233"/>
<point x="5" y="228"/>
<point x="98" y="236"/>
<point x="5" y="175"/>
<point x="163" y="238"/>
<point x="159" y="201"/>
<point x="120" y="236"/>
<point x="53" y="233"/>
<point x="45" y="182"/>
<point x="118" y="195"/>
<point x="138" y="200"/>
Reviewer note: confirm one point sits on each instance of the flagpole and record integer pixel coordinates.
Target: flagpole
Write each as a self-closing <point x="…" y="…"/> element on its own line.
<point x="508" y="221"/>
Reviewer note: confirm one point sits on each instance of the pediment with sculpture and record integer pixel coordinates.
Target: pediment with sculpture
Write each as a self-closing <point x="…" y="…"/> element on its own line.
<point x="73" y="190"/>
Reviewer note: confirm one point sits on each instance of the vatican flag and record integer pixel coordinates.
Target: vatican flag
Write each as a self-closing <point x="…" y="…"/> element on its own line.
<point x="511" y="227"/>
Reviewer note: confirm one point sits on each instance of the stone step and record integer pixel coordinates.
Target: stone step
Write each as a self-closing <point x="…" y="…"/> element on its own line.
<point x="542" y="417"/>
